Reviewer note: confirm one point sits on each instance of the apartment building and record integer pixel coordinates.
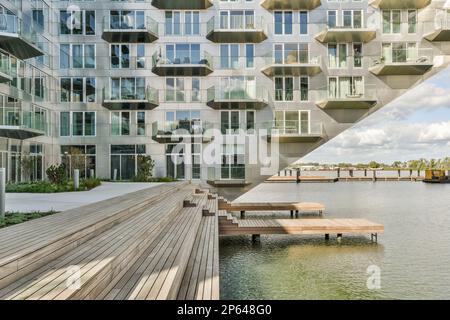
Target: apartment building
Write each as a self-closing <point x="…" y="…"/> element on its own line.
<point x="100" y="82"/>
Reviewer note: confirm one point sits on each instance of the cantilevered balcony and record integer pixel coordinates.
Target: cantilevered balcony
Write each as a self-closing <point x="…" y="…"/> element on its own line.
<point x="400" y="4"/>
<point x="290" y="4"/>
<point x="403" y="63"/>
<point x="439" y="29"/>
<point x="21" y="124"/>
<point x="130" y="98"/>
<point x="237" y="97"/>
<point x="294" y="131"/>
<point x="239" y="29"/>
<point x="5" y="67"/>
<point x="182" y="64"/>
<point x="182" y="4"/>
<point x="187" y="130"/>
<point x="19" y="38"/>
<point x="348" y="34"/>
<point x="129" y="29"/>
<point x="294" y="63"/>
<point x="328" y="99"/>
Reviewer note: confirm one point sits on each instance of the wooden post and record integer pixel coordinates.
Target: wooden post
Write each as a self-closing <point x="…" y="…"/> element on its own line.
<point x="296" y="213"/>
<point x="339" y="173"/>
<point x="339" y="237"/>
<point x="374" y="236"/>
<point x="351" y="173"/>
<point x="365" y="172"/>
<point x="242" y="214"/>
<point x="399" y="173"/>
<point x="374" y="178"/>
<point x="292" y="214"/>
<point x="327" y="236"/>
<point x="298" y="176"/>
<point x="2" y="192"/>
<point x="256" y="238"/>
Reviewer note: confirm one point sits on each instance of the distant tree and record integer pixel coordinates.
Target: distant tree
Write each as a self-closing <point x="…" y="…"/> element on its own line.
<point x="374" y="165"/>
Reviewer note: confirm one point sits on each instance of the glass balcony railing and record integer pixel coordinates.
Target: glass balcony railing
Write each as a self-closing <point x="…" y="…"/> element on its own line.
<point x="237" y="93"/>
<point x="403" y="61"/>
<point x="295" y="127"/>
<point x="181" y="58"/>
<point x="125" y="95"/>
<point x="237" y="29"/>
<point x="346" y="95"/>
<point x="439" y="28"/>
<point x="34" y="118"/>
<point x="5" y="66"/>
<point x="132" y="22"/>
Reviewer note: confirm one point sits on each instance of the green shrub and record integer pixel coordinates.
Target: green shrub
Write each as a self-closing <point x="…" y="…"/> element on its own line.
<point x="90" y="183"/>
<point x="47" y="187"/>
<point x="145" y="165"/>
<point x="56" y="173"/>
<point x="17" y="217"/>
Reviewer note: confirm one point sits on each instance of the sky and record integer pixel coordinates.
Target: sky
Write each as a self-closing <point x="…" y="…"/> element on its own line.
<point x="414" y="126"/>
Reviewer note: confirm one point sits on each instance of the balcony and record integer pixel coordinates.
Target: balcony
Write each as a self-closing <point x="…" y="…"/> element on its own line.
<point x="400" y="4"/>
<point x="117" y="29"/>
<point x="18" y="38"/>
<point x="295" y="64"/>
<point x="177" y="131"/>
<point x="238" y="97"/>
<point x="403" y="63"/>
<point x="294" y="131"/>
<point x="346" y="34"/>
<point x="17" y="123"/>
<point x="5" y="67"/>
<point x="182" y="4"/>
<point x="440" y="28"/>
<point x="290" y="4"/>
<point x="345" y="101"/>
<point x="130" y="98"/>
<point x="180" y="64"/>
<point x="237" y="30"/>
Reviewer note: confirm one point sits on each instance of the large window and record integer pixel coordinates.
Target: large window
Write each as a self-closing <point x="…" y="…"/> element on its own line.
<point x="182" y="22"/>
<point x="283" y="22"/>
<point x="400" y="52"/>
<point x="175" y="90"/>
<point x="77" y="22"/>
<point x="81" y="157"/>
<point x="237" y="19"/>
<point x="120" y="123"/>
<point x="233" y="162"/>
<point x="229" y="56"/>
<point x="77" y="56"/>
<point x="183" y="53"/>
<point x="284" y="88"/>
<point x="337" y="55"/>
<point x="77" y="123"/>
<point x="124" y="160"/>
<point x="292" y="122"/>
<point x="188" y="120"/>
<point x="289" y="53"/>
<point x="392" y="20"/>
<point x="127" y="19"/>
<point x="128" y="88"/>
<point x="233" y="120"/>
<point x="345" y="87"/>
<point x="77" y="90"/>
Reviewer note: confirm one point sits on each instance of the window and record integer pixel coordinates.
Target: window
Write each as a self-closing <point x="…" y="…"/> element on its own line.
<point x="140" y="121"/>
<point x="337" y="55"/>
<point x="175" y="90"/>
<point x="283" y="22"/>
<point x="249" y="56"/>
<point x="77" y="56"/>
<point x="287" y="53"/>
<point x="77" y="123"/>
<point x="128" y="88"/>
<point x="233" y="162"/>
<point x="357" y="55"/>
<point x="237" y="87"/>
<point x="284" y="89"/>
<point x="345" y="87"/>
<point x="183" y="53"/>
<point x="120" y="123"/>
<point x="81" y="157"/>
<point x="230" y="122"/>
<point x="120" y="56"/>
<point x="179" y="22"/>
<point x="77" y="22"/>
<point x="392" y="21"/>
<point x="127" y="19"/>
<point x="140" y="56"/>
<point x="412" y="21"/>
<point x="124" y="160"/>
<point x="400" y="52"/>
<point x="77" y="90"/>
<point x="188" y="120"/>
<point x="292" y="122"/>
<point x="196" y="95"/>
<point x="229" y="56"/>
<point x="304" y="88"/>
<point x="303" y="22"/>
<point x="237" y="19"/>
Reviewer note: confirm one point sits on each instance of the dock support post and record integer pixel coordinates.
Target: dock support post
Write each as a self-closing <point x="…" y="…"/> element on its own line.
<point x="374" y="175"/>
<point x="292" y="214"/>
<point x="256" y="238"/>
<point x="351" y="173"/>
<point x="298" y="175"/>
<point x="365" y="172"/>
<point x="2" y="192"/>
<point x="327" y="236"/>
<point x="374" y="237"/>
<point x="339" y="237"/>
<point x="296" y="213"/>
<point x="339" y="173"/>
<point x="242" y="214"/>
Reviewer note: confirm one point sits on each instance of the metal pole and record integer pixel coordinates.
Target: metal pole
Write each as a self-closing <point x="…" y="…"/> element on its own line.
<point x="2" y="192"/>
<point x="76" y="179"/>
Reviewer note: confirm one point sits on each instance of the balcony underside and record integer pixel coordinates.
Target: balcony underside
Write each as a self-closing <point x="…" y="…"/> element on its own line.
<point x="439" y="35"/>
<point x="349" y="103"/>
<point x="18" y="46"/>
<point x="400" y="4"/>
<point x="4" y="77"/>
<point x="19" y="132"/>
<point x="168" y="137"/>
<point x="294" y="138"/>
<point x="129" y="36"/>
<point x="240" y="104"/>
<point x="300" y="69"/>
<point x="237" y="36"/>
<point x="401" y="69"/>
<point x="129" y="105"/>
<point x="346" y="35"/>
<point x="290" y="4"/>
<point x="191" y="70"/>
<point x="233" y="183"/>
<point x="182" y="4"/>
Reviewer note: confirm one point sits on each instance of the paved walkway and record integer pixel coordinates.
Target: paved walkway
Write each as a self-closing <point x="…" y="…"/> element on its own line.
<point x="28" y="202"/>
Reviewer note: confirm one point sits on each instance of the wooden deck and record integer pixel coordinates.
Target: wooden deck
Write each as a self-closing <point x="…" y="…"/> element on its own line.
<point x="146" y="250"/>
<point x="228" y="225"/>
<point x="302" y="179"/>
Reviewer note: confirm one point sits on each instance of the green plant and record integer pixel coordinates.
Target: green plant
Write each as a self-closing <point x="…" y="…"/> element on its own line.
<point x="18" y="217"/>
<point x="145" y="165"/>
<point x="90" y="183"/>
<point x="56" y="173"/>
<point x="27" y="163"/>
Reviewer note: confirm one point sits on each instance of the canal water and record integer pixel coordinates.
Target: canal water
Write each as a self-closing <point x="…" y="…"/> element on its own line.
<point x="412" y="256"/>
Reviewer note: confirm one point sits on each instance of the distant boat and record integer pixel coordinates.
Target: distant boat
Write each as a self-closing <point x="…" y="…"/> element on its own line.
<point x="436" y="176"/>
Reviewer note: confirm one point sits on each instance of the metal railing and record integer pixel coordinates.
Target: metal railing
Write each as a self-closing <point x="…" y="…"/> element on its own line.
<point x="295" y="127"/>
<point x="237" y="93"/>
<point x="124" y="23"/>
<point x="131" y="94"/>
<point x="347" y="92"/>
<point x="161" y="59"/>
<point x="415" y="56"/>
<point x="236" y="23"/>
<point x="288" y="57"/>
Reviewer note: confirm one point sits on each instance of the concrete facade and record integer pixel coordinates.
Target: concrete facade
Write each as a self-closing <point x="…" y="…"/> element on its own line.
<point x="335" y="64"/>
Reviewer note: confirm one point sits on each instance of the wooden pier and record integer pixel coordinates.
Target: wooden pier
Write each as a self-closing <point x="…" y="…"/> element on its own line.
<point x="228" y="225"/>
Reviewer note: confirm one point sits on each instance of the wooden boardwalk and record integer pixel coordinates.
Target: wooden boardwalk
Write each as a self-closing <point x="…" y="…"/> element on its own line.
<point x="228" y="225"/>
<point x="302" y="179"/>
<point x="137" y="246"/>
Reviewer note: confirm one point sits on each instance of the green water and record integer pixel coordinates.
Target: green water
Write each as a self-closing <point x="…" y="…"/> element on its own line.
<point x="413" y="255"/>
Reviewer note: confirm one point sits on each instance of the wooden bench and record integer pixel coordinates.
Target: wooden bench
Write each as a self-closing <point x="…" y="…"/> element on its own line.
<point x="297" y="207"/>
<point x="157" y="274"/>
<point x="211" y="207"/>
<point x="201" y="278"/>
<point x="101" y="260"/>
<point x="26" y="247"/>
